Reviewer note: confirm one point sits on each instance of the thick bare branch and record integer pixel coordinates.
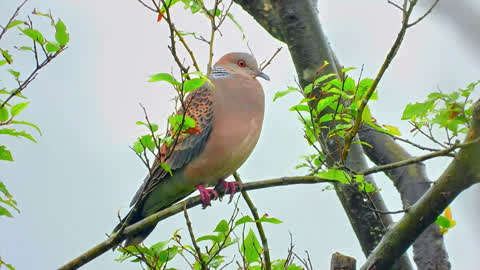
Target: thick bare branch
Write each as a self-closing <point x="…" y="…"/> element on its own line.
<point x="462" y="173"/>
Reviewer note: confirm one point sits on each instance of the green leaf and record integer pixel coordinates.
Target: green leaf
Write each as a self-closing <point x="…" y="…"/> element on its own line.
<point x="340" y="92"/>
<point x="436" y="95"/>
<point x="34" y="34"/>
<point x="230" y="16"/>
<point x="3" y="62"/>
<point x="349" y="85"/>
<point x="366" y="114"/>
<point x="363" y="185"/>
<point x="363" y="143"/>
<point x="164" y="77"/>
<point x="52" y="47"/>
<point x="336" y="175"/>
<point x="176" y="120"/>
<point x="195" y="7"/>
<point x="15" y="74"/>
<point x="4" y="190"/>
<point x="138" y="147"/>
<point x="308" y="89"/>
<point x="4" y="212"/>
<point x="156" y="248"/>
<point x="147" y="141"/>
<point x="300" y="108"/>
<point x="251" y="248"/>
<point x="243" y="220"/>
<point x="61" y="35"/>
<point x="280" y="94"/>
<point x="17" y="108"/>
<point x="192" y="84"/>
<point x="153" y="126"/>
<point x="3" y="114"/>
<point x="5" y="154"/>
<point x="363" y="87"/>
<point x="210" y="237"/>
<point x="270" y="220"/>
<point x="7" y="56"/>
<point x="222" y="226"/>
<point x="217" y="12"/>
<point x="168" y="254"/>
<point x="14" y="23"/>
<point x="393" y="130"/>
<point x="26" y="48"/>
<point x="345" y="70"/>
<point x="324" y="102"/>
<point x="166" y="168"/>
<point x="443" y="222"/>
<point x="413" y="111"/>
<point x="15" y="133"/>
<point x="323" y="78"/>
<point x="28" y="124"/>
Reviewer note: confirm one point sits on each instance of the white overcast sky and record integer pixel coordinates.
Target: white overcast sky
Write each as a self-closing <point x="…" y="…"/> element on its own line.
<point x="70" y="184"/>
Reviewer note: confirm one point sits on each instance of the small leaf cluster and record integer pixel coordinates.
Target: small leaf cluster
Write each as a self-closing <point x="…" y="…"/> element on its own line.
<point x="198" y="7"/>
<point x="10" y="109"/>
<point x="155" y="257"/>
<point x="225" y="234"/>
<point x="329" y="114"/>
<point x="180" y="125"/>
<point x="445" y="221"/>
<point x="451" y="111"/>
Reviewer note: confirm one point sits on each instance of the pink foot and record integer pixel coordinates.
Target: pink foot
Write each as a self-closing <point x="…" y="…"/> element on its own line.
<point x="230" y="187"/>
<point x="205" y="195"/>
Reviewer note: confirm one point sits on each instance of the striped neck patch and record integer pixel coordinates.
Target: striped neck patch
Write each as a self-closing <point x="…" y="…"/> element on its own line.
<point x="219" y="73"/>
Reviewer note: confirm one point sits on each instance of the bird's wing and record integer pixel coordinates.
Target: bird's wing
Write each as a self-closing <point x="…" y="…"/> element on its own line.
<point x="199" y="106"/>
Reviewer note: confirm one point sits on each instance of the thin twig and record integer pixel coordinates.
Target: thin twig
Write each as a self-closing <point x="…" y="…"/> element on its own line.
<point x="187" y="48"/>
<point x="413" y="160"/>
<point x="424" y="15"/>
<point x="192" y="237"/>
<point x="271" y="58"/>
<point x="430" y="137"/>
<point x="395" y="5"/>
<point x="15" y="14"/>
<point x="151" y="220"/>
<point x="258" y="223"/>
<point x="172" y="47"/>
<point x="415" y="144"/>
<point x="387" y="212"/>
<point x="31" y="77"/>
<point x="389" y="58"/>
<point x="147" y="6"/>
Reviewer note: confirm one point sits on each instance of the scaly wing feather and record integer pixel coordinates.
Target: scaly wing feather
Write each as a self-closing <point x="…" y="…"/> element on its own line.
<point x="199" y="106"/>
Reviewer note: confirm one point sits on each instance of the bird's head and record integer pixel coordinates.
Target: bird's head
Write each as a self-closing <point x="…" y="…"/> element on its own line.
<point x="241" y="64"/>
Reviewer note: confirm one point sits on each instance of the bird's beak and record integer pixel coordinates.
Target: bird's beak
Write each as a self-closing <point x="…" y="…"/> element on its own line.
<point x="260" y="74"/>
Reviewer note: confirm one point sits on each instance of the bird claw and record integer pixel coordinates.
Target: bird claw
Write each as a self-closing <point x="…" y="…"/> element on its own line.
<point x="231" y="187"/>
<point x="205" y="195"/>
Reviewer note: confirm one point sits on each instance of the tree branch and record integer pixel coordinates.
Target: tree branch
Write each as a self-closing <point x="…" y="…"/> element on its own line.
<point x="258" y="223"/>
<point x="192" y="237"/>
<point x="309" y="48"/>
<point x="413" y="160"/>
<point x="462" y="173"/>
<point x="411" y="182"/>
<point x="116" y="238"/>
<point x="388" y="59"/>
<point x="15" y="14"/>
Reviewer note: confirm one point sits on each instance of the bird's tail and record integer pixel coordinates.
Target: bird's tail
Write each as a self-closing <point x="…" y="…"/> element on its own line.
<point x="163" y="195"/>
<point x="140" y="236"/>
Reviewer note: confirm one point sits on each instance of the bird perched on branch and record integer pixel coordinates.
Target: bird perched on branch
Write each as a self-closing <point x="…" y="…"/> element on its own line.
<point x="228" y="115"/>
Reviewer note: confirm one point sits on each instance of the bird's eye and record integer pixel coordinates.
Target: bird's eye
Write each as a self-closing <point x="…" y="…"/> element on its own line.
<point x="241" y="63"/>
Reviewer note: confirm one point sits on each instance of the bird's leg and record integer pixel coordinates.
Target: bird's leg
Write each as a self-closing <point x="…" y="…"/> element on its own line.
<point x="205" y="195"/>
<point x="230" y="187"/>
